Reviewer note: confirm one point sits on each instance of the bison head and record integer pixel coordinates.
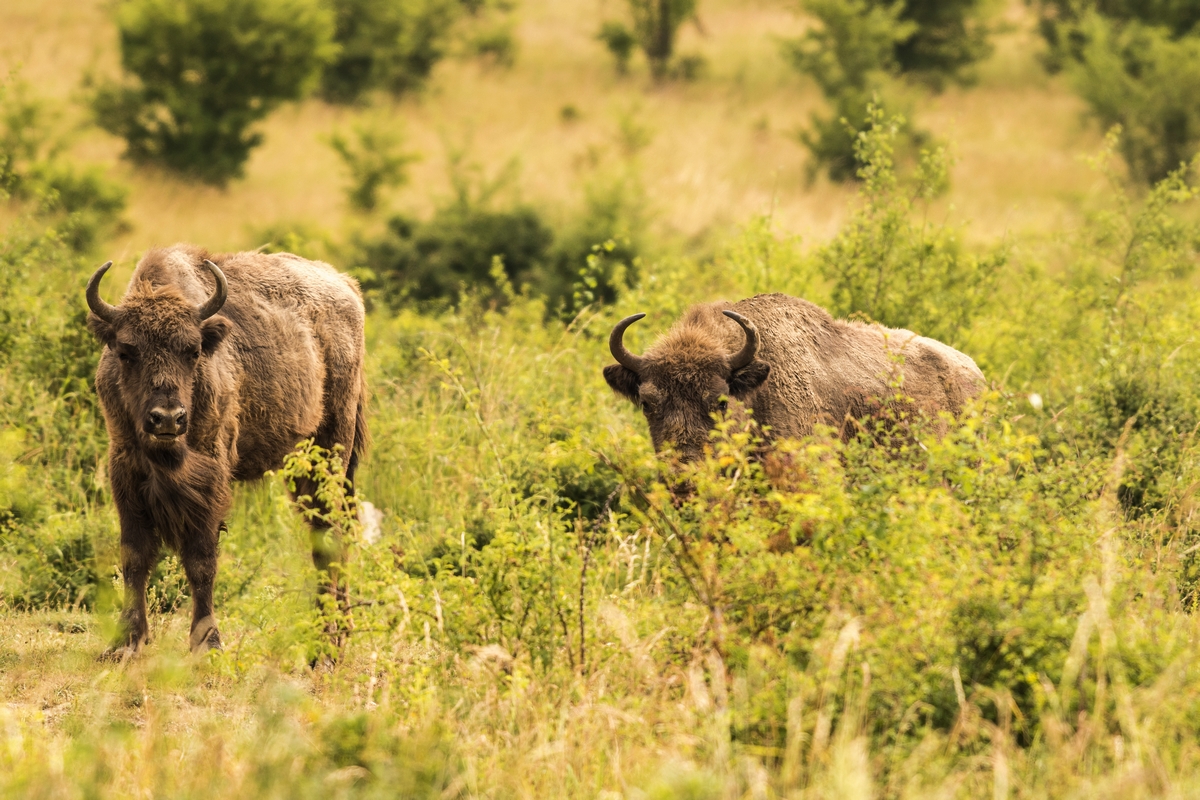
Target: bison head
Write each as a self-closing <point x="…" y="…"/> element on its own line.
<point x="681" y="383"/>
<point x="159" y="339"/>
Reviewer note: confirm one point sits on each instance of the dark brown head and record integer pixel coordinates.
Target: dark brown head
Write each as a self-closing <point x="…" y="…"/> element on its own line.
<point x="159" y="339"/>
<point x="686" y="378"/>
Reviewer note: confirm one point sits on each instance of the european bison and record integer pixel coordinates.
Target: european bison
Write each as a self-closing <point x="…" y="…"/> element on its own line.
<point x="789" y="361"/>
<point x="214" y="367"/>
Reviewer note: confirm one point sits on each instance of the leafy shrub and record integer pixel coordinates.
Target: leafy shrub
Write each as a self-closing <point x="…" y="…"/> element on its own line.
<point x="82" y="203"/>
<point x="851" y="56"/>
<point x="1144" y="79"/>
<point x="656" y="23"/>
<point x="949" y="38"/>
<point x="434" y="260"/>
<point x="885" y="266"/>
<point x="1061" y="22"/>
<point x="859" y="50"/>
<point x="374" y="160"/>
<point x="201" y="73"/>
<point x="619" y="41"/>
<point x="386" y="45"/>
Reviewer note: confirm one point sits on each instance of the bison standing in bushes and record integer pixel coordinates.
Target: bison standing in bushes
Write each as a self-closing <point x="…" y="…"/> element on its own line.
<point x="790" y="362"/>
<point x="214" y="368"/>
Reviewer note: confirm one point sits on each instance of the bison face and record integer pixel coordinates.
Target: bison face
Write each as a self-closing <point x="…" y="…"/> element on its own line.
<point x="682" y="387"/>
<point x="158" y="340"/>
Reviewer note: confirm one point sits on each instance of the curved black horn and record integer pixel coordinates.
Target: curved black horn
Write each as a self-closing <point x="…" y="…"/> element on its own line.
<point x="750" y="349"/>
<point x="100" y="308"/>
<point x="218" y="298"/>
<point x="616" y="345"/>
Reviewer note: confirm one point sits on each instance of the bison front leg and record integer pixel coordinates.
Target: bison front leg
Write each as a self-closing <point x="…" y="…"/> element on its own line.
<point x="199" y="557"/>
<point x="138" y="557"/>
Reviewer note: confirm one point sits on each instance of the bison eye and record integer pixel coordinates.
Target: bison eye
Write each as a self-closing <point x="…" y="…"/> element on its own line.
<point x="194" y="355"/>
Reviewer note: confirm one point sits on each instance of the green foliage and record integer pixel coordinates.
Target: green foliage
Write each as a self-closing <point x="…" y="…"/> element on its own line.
<point x="950" y="37"/>
<point x="201" y="73"/>
<point x="887" y="266"/>
<point x="436" y="260"/>
<point x="860" y="49"/>
<point x="655" y="26"/>
<point x="585" y="260"/>
<point x="386" y="45"/>
<point x="1142" y="78"/>
<point x="851" y="56"/>
<point x="83" y="204"/>
<point x="1059" y="22"/>
<point x="619" y="41"/>
<point x="374" y="160"/>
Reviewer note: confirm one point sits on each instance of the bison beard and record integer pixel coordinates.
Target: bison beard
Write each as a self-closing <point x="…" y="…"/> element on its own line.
<point x="786" y="360"/>
<point x="212" y="373"/>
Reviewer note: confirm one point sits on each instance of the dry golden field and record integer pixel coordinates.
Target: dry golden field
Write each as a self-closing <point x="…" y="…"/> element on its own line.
<point x="720" y="149"/>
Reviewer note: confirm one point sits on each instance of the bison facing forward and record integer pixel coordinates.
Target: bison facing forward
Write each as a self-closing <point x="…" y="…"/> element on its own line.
<point x="212" y="371"/>
<point x="786" y="359"/>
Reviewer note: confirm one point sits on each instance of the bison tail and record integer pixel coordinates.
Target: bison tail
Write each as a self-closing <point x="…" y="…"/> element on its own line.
<point x="362" y="435"/>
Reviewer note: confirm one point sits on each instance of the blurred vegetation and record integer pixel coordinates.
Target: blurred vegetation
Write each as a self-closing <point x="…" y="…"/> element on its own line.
<point x="390" y="46"/>
<point x="653" y="26"/>
<point x="1137" y="65"/>
<point x="859" y="51"/>
<point x="83" y="203"/>
<point x="374" y="160"/>
<point x="200" y="73"/>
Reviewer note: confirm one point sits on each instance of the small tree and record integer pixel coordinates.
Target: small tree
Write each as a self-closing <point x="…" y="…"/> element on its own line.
<point x="386" y="45"/>
<point x="1138" y="66"/>
<point x="851" y="57"/>
<point x="860" y="50"/>
<point x="200" y="73"/>
<point x="375" y="161"/>
<point x="656" y="23"/>
<point x="1139" y="77"/>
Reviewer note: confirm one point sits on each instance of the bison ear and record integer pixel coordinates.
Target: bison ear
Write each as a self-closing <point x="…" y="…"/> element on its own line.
<point x="748" y="378"/>
<point x="101" y="329"/>
<point x="623" y="381"/>
<point x="212" y="332"/>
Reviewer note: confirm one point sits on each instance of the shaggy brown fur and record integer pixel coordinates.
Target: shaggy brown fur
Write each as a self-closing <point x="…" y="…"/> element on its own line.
<point x="282" y="362"/>
<point x="809" y="369"/>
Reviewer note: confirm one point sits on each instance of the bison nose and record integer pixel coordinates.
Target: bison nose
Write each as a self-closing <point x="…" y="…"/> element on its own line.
<point x="170" y="421"/>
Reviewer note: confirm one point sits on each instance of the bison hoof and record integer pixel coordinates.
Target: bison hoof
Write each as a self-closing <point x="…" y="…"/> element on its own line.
<point x="119" y="654"/>
<point x="205" y="636"/>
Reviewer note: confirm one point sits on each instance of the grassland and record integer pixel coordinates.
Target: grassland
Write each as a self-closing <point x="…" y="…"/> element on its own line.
<point x="1007" y="609"/>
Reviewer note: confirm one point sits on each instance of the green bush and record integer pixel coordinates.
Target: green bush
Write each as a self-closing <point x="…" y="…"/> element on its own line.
<point x="437" y="259"/>
<point x="619" y="41"/>
<point x="386" y="45"/>
<point x="374" y="160"/>
<point x="889" y="268"/>
<point x="1144" y="79"/>
<point x="951" y="36"/>
<point x="1059" y="22"/>
<point x="201" y="73"/>
<point x="851" y="57"/>
<point x="655" y="26"/>
<point x="82" y="203"/>
<point x="860" y="50"/>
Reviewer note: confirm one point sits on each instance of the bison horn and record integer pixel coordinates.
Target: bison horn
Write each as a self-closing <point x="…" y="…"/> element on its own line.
<point x="100" y="308"/>
<point x="616" y="346"/>
<point x="750" y="349"/>
<point x="218" y="298"/>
